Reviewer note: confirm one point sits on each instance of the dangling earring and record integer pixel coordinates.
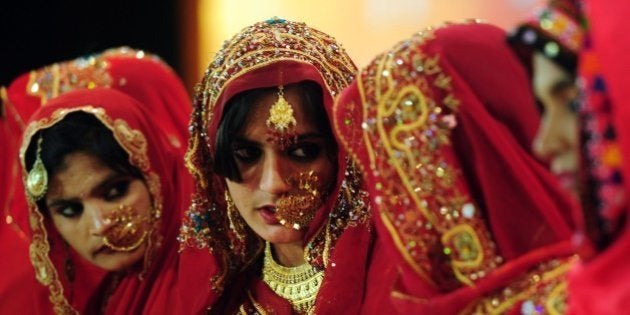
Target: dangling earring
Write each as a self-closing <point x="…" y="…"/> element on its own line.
<point x="68" y="264"/>
<point x="236" y="222"/>
<point x="37" y="178"/>
<point x="68" y="269"/>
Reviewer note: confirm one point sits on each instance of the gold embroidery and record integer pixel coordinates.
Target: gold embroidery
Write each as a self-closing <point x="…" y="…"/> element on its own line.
<point x="408" y="111"/>
<point x="40" y="246"/>
<point x="263" y="44"/>
<point x="541" y="291"/>
<point x="85" y="72"/>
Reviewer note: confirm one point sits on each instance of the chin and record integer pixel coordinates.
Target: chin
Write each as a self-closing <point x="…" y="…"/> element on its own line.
<point x="121" y="261"/>
<point x="285" y="236"/>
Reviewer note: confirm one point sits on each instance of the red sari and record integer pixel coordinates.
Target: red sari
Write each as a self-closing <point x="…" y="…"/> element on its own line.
<point x="467" y="220"/>
<point x="164" y="103"/>
<point x="221" y="271"/>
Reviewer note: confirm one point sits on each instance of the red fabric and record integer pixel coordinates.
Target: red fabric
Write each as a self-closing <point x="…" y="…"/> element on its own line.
<point x="524" y="211"/>
<point x="91" y="285"/>
<point x="16" y="287"/>
<point x="608" y="34"/>
<point x="141" y="76"/>
<point x="338" y="290"/>
<point x="342" y="288"/>
<point x="599" y="286"/>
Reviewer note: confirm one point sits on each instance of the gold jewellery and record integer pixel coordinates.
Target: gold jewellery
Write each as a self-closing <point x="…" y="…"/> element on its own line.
<point x="297" y="208"/>
<point x="281" y="122"/>
<point x="37" y="178"/>
<point x="299" y="285"/>
<point x="129" y="229"/>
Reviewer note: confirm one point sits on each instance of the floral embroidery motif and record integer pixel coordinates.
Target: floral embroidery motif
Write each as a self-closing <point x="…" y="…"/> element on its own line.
<point x="408" y="113"/>
<point x="85" y="72"/>
<point x="543" y="290"/>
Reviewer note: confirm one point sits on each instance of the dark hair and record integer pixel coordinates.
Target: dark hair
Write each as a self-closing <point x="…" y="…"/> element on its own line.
<point x="79" y="132"/>
<point x="235" y="116"/>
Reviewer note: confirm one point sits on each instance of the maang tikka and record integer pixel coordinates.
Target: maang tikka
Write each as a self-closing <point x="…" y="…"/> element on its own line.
<point x="281" y="122"/>
<point x="37" y="178"/>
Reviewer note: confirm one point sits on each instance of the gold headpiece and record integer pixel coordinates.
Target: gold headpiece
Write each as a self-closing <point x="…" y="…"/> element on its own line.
<point x="37" y="178"/>
<point x="129" y="229"/>
<point x="281" y="122"/>
<point x="297" y="209"/>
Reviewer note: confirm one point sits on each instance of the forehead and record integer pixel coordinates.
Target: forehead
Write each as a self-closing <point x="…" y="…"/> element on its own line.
<point x="79" y="172"/>
<point x="260" y="111"/>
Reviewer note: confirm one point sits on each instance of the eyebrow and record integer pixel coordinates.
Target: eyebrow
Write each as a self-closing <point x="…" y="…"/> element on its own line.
<point x="302" y="137"/>
<point x="111" y="178"/>
<point x="310" y="135"/>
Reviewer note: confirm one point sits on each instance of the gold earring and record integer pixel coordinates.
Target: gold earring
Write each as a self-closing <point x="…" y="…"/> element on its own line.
<point x="129" y="229"/>
<point x="281" y="122"/>
<point x="37" y="178"/>
<point x="236" y="225"/>
<point x="297" y="209"/>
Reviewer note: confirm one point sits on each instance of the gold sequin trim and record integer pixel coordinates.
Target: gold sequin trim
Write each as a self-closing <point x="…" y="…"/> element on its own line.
<point x="135" y="144"/>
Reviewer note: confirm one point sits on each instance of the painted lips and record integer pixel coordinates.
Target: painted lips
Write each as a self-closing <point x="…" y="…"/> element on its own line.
<point x="268" y="214"/>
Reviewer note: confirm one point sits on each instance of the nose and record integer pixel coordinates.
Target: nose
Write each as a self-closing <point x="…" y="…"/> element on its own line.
<point x="550" y="140"/>
<point x="272" y="179"/>
<point x="99" y="222"/>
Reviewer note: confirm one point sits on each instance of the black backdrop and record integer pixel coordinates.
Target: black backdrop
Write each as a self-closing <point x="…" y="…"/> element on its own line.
<point x="37" y="33"/>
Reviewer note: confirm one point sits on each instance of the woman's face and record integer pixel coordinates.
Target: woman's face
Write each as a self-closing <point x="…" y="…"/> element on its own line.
<point x="265" y="167"/>
<point x="556" y="141"/>
<point x="81" y="198"/>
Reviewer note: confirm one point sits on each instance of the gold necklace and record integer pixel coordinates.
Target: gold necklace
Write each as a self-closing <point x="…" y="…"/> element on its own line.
<point x="299" y="285"/>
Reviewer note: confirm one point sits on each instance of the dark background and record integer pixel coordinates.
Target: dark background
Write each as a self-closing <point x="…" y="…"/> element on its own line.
<point x="37" y="33"/>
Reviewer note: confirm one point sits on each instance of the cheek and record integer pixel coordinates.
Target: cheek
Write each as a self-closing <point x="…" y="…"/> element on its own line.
<point x="240" y="194"/>
<point x="326" y="170"/>
<point x="70" y="230"/>
<point x="139" y="197"/>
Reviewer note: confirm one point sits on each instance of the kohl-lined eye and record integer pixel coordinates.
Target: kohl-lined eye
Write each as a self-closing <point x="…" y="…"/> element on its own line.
<point x="69" y="210"/>
<point x="246" y="153"/>
<point x="117" y="190"/>
<point x="305" y="151"/>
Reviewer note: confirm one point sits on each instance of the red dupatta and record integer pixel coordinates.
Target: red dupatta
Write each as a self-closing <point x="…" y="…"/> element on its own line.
<point x="226" y="274"/>
<point x="442" y="125"/>
<point x="154" y="152"/>
<point x="139" y="74"/>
